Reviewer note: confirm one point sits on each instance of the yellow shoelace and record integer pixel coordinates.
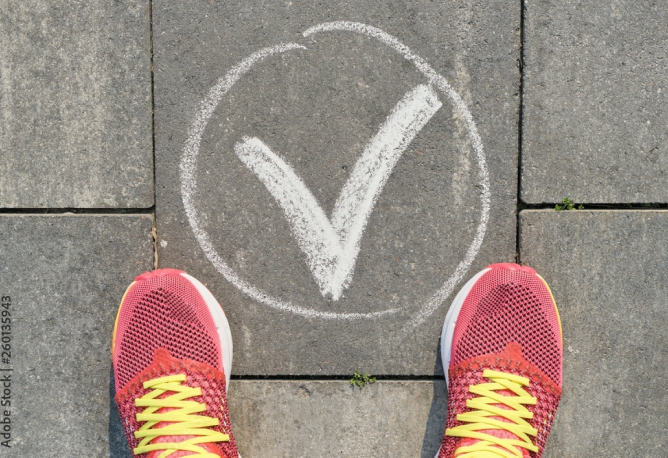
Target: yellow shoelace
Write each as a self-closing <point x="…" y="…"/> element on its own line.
<point x="482" y="411"/>
<point x="182" y="420"/>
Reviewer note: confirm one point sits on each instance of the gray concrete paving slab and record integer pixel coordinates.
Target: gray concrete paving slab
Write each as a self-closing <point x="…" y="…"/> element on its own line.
<point x="331" y="418"/>
<point x="63" y="278"/>
<point x="259" y="147"/>
<point x="75" y="105"/>
<point x="595" y="98"/>
<point x="607" y="270"/>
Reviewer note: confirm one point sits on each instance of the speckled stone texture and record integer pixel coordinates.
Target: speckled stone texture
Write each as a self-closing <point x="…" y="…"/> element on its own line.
<point x="595" y="119"/>
<point x="65" y="276"/>
<point x="75" y="105"/>
<point x="318" y="108"/>
<point x="608" y="272"/>
<point x="331" y="418"/>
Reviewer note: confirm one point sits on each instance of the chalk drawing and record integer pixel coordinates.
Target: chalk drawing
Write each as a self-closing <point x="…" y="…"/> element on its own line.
<point x="332" y="245"/>
<point x="331" y="248"/>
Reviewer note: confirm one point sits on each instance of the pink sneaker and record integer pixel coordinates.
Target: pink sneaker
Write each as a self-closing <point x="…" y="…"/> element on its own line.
<point x="502" y="347"/>
<point x="172" y="353"/>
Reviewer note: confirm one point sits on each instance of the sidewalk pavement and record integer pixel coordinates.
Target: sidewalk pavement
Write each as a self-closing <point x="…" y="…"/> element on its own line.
<point x="241" y="92"/>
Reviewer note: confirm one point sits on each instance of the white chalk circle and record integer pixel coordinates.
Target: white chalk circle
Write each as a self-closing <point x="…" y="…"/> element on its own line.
<point x="190" y="153"/>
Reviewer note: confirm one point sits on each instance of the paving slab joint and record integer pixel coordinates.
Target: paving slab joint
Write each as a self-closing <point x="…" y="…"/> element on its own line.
<point x="594" y="206"/>
<point x="150" y="53"/>
<point x="79" y="211"/>
<point x="338" y="378"/>
<point x="520" y="120"/>
<point x="154" y="234"/>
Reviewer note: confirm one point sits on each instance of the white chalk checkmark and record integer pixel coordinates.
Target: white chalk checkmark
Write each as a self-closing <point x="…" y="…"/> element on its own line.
<point x="331" y="246"/>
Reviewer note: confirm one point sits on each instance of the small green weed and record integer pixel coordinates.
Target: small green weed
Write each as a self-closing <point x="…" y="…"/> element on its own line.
<point x="568" y="204"/>
<point x="361" y="380"/>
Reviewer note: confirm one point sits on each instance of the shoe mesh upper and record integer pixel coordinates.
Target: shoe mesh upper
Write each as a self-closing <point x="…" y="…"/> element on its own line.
<point x="168" y="312"/>
<point x="510" y="306"/>
<point x="207" y="378"/>
<point x="470" y="373"/>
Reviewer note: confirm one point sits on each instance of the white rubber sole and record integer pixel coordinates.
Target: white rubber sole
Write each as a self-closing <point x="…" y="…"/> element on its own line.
<point x="222" y="326"/>
<point x="221" y="323"/>
<point x="448" y="331"/>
